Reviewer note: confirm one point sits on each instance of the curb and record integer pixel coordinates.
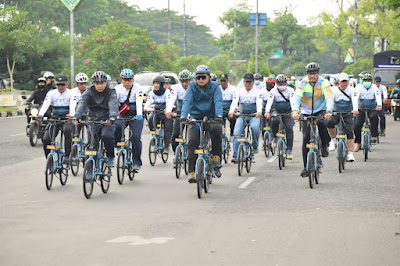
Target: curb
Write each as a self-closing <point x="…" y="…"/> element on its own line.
<point x="9" y="114"/>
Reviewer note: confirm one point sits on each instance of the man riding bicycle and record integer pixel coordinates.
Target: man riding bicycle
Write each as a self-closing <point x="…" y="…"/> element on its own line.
<point x="203" y="99"/>
<point x="345" y="101"/>
<point x="227" y="97"/>
<point x="384" y="96"/>
<point x="250" y="101"/>
<point x="315" y="97"/>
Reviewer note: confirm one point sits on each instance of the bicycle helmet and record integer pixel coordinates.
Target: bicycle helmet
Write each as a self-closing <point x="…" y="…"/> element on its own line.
<point x="184" y="75"/>
<point x="281" y="78"/>
<point x="167" y="80"/>
<point x="311" y="67"/>
<point x="213" y="77"/>
<point x="398" y="81"/>
<point x="270" y="80"/>
<point x="126" y="73"/>
<point x="367" y="76"/>
<point x="109" y="78"/>
<point x="41" y="79"/>
<point x="99" y="76"/>
<point x="202" y="69"/>
<point x="48" y="75"/>
<point x="159" y="79"/>
<point x="81" y="77"/>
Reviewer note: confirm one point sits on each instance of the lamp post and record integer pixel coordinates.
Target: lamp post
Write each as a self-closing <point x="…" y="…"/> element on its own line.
<point x="256" y="53"/>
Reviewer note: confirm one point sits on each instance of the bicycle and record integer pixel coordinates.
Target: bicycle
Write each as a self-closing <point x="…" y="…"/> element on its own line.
<point x="366" y="134"/>
<point x="77" y="156"/>
<point x="96" y="167"/>
<point x="204" y="170"/>
<point x="226" y="146"/>
<point x="245" y="149"/>
<point x="156" y="145"/>
<point x="342" y="148"/>
<point x="281" y="147"/>
<point x="267" y="141"/>
<point x="125" y="160"/>
<point x="54" y="163"/>
<point x="314" y="162"/>
<point x="180" y="159"/>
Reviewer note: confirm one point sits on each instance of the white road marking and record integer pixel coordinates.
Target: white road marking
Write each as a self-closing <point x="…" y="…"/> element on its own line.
<point x="138" y="240"/>
<point x="272" y="159"/>
<point x="20" y="134"/>
<point x="247" y="182"/>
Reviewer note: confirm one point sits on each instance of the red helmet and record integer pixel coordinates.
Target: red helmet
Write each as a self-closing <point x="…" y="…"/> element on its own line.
<point x="270" y="80"/>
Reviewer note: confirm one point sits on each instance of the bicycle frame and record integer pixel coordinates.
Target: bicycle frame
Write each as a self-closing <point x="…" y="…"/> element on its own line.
<point x="366" y="130"/>
<point x="340" y="135"/>
<point x="55" y="149"/>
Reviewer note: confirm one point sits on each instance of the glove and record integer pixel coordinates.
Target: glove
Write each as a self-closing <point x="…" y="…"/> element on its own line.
<point x="139" y="117"/>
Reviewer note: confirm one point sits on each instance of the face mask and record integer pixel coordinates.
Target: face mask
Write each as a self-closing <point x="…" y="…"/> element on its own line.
<point x="257" y="82"/>
<point x="41" y="86"/>
<point x="282" y="87"/>
<point x="270" y="86"/>
<point x="367" y="84"/>
<point x="289" y="82"/>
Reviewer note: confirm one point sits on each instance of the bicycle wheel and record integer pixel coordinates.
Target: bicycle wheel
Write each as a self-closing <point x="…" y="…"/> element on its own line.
<point x="178" y="161"/>
<point x="311" y="170"/>
<point x="63" y="174"/>
<point x="366" y="148"/>
<point x="227" y="150"/>
<point x="164" y="157"/>
<point x="152" y="151"/>
<point x="240" y="160"/>
<point x="33" y="134"/>
<point x="267" y="144"/>
<point x="105" y="177"/>
<point x="74" y="160"/>
<point x="129" y="169"/>
<point x="121" y="167"/>
<point x="340" y="156"/>
<point x="186" y="166"/>
<point x="206" y="180"/>
<point x="279" y="152"/>
<point x="88" y="179"/>
<point x="249" y="159"/>
<point x="199" y="177"/>
<point x="49" y="172"/>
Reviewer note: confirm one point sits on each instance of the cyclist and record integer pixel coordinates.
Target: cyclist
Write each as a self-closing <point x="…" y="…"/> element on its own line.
<point x="81" y="81"/>
<point x="368" y="97"/>
<point x="178" y="92"/>
<point x="345" y="100"/>
<point x="130" y="100"/>
<point x="281" y="100"/>
<point x="49" y="76"/>
<point x="102" y="102"/>
<point x="259" y="81"/>
<point x="60" y="101"/>
<point x="270" y="83"/>
<point x="291" y="83"/>
<point x="314" y="96"/>
<point x="167" y="83"/>
<point x="37" y="97"/>
<point x="250" y="101"/>
<point x="203" y="99"/>
<point x="162" y="99"/>
<point x="227" y="96"/>
<point x="109" y="80"/>
<point x="384" y="96"/>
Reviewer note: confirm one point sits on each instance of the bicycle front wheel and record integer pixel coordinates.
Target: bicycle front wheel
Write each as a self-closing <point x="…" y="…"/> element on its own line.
<point x="241" y="160"/>
<point x="63" y="174"/>
<point x="267" y="144"/>
<point x="152" y="151"/>
<point x="226" y="151"/>
<point x="105" y="177"/>
<point x="74" y="160"/>
<point x="49" y="172"/>
<point x="121" y="167"/>
<point x="340" y="156"/>
<point x="88" y="179"/>
<point x="279" y="152"/>
<point x="178" y="161"/>
<point x="249" y="159"/>
<point x="366" y="148"/>
<point x="199" y="177"/>
<point x="311" y="169"/>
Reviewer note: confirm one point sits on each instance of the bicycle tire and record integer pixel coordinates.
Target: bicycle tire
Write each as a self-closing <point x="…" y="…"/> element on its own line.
<point x="366" y="148"/>
<point x="199" y="177"/>
<point x="186" y="166"/>
<point x="164" y="157"/>
<point x="63" y="174"/>
<point x="280" y="154"/>
<point x="152" y="151"/>
<point x="240" y="160"/>
<point x="88" y="179"/>
<point x="105" y="178"/>
<point x="226" y="151"/>
<point x="249" y="160"/>
<point x="49" y="173"/>
<point x="206" y="180"/>
<point x="311" y="170"/>
<point x="266" y="144"/>
<point x="33" y="134"/>
<point x="178" y="162"/>
<point x="340" y="156"/>
<point x="129" y="169"/>
<point x="121" y="167"/>
<point x="74" y="160"/>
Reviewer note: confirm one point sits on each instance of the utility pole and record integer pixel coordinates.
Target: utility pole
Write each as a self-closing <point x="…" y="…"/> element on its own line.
<point x="234" y="32"/>
<point x="256" y="58"/>
<point x="184" y="28"/>
<point x="355" y="31"/>
<point x="169" y="24"/>
<point x="71" y="84"/>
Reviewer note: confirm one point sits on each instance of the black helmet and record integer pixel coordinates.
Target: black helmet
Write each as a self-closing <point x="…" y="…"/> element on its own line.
<point x="367" y="76"/>
<point x="281" y="78"/>
<point x="167" y="80"/>
<point x="311" y="67"/>
<point x="202" y="69"/>
<point x="99" y="76"/>
<point x="159" y="79"/>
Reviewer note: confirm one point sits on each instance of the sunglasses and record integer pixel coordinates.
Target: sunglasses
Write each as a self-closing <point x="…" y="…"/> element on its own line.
<point x="201" y="77"/>
<point x="60" y="84"/>
<point x="50" y="78"/>
<point x="312" y="73"/>
<point x="248" y="81"/>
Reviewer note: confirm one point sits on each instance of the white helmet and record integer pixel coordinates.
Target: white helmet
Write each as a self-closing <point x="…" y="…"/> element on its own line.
<point x="81" y="77"/>
<point x="48" y="74"/>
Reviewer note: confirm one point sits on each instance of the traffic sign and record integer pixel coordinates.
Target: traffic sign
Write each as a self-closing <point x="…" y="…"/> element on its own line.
<point x="70" y="4"/>
<point x="262" y="19"/>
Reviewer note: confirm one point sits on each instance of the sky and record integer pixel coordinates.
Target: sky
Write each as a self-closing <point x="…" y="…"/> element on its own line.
<point x="207" y="12"/>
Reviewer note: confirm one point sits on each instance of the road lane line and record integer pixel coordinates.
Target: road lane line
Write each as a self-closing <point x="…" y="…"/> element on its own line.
<point x="247" y="182"/>
<point x="272" y="159"/>
<point x="20" y="134"/>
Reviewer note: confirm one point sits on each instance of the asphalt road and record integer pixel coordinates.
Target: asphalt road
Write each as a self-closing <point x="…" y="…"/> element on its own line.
<point x="348" y="219"/>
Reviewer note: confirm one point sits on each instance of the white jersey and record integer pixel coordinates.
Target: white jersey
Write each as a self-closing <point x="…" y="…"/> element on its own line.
<point x="60" y="102"/>
<point x="164" y="101"/>
<point x="276" y="100"/>
<point x="136" y="96"/>
<point x="249" y="101"/>
<point x="259" y="86"/>
<point x="342" y="103"/>
<point x="368" y="98"/>
<point x="178" y="92"/>
<point x="76" y="96"/>
<point x="382" y="90"/>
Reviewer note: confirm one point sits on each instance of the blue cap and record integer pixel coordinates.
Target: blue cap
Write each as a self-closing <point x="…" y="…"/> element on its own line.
<point x="378" y="79"/>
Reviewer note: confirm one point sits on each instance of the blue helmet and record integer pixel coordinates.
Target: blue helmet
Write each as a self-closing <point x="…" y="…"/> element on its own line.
<point x="202" y="69"/>
<point x="127" y="73"/>
<point x="109" y="77"/>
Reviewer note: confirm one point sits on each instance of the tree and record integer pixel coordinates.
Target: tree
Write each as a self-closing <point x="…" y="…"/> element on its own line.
<point x="18" y="39"/>
<point x="167" y="55"/>
<point x="219" y="64"/>
<point x="190" y="62"/>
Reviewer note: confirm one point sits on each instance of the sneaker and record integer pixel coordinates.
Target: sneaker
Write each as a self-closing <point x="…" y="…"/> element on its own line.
<point x="383" y="134"/>
<point x="192" y="178"/>
<point x="324" y="152"/>
<point x="234" y="160"/>
<point x="136" y="168"/>
<point x="255" y="151"/>
<point x="350" y="157"/>
<point x="110" y="161"/>
<point x="217" y="165"/>
<point x="332" y="146"/>
<point x="290" y="155"/>
<point x="304" y="173"/>
<point x="274" y="142"/>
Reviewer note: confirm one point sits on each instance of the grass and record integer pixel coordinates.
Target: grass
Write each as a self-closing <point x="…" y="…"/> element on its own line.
<point x="8" y="109"/>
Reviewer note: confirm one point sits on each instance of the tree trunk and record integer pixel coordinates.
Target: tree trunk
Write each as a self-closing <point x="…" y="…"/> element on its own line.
<point x="11" y="72"/>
